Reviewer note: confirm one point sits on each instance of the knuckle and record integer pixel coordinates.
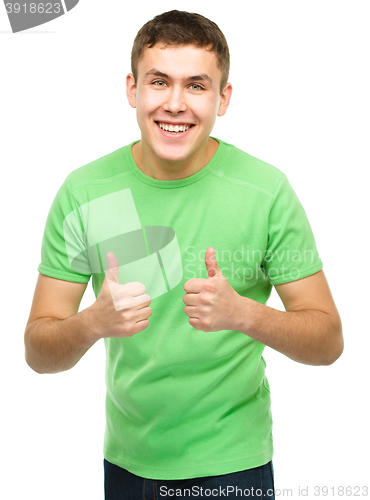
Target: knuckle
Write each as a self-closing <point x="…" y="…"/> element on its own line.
<point x="129" y="287"/>
<point x="207" y="300"/>
<point x="127" y="315"/>
<point x="210" y="287"/>
<point x="141" y="286"/>
<point x="129" y="329"/>
<point x="147" y="298"/>
<point x="207" y="325"/>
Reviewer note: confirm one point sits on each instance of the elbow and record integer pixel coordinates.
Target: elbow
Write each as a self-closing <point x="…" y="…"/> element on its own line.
<point x="337" y="345"/>
<point x="28" y="353"/>
<point x="29" y="363"/>
<point x="332" y="358"/>
<point x="335" y="355"/>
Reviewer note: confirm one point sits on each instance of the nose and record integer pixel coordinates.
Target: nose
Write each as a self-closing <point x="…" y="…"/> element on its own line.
<point x="175" y="101"/>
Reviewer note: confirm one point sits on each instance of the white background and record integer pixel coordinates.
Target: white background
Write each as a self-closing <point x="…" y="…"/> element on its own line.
<point x="300" y="72"/>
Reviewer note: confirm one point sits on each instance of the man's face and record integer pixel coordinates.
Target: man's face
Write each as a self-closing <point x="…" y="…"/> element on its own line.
<point x="178" y="86"/>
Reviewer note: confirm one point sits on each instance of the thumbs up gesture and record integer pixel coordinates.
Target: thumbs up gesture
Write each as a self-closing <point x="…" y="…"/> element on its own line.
<point x="211" y="303"/>
<point x="119" y="310"/>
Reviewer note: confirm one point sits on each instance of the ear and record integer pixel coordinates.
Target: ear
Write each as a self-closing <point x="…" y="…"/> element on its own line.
<point x="131" y="90"/>
<point x="225" y="99"/>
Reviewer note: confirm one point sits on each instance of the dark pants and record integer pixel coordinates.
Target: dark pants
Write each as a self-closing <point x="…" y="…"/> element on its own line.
<point x="257" y="483"/>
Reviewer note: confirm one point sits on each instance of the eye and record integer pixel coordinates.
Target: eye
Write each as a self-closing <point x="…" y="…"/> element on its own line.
<point x="159" y="82"/>
<point x="196" y="85"/>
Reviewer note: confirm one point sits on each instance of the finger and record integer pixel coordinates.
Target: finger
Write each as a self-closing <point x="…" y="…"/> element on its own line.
<point x="191" y="299"/>
<point x="142" y="300"/>
<point x="194" y="285"/>
<point x="191" y="311"/>
<point x="127" y="302"/>
<point x="143" y="313"/>
<point x="123" y="295"/>
<point x="136" y="288"/>
<point x="131" y="289"/>
<point x="211" y="263"/>
<point x="111" y="273"/>
<point x="195" y="323"/>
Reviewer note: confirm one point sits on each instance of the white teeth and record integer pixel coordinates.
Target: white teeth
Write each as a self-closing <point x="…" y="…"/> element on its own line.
<point x="174" y="129"/>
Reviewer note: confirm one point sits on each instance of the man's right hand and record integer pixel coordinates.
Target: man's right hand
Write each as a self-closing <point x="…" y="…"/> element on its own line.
<point x="119" y="310"/>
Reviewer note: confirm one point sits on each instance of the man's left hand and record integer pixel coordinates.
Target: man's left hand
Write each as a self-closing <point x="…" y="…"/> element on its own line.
<point x="211" y="303"/>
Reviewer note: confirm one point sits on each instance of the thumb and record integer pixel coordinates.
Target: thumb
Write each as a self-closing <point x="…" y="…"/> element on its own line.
<point x="211" y="263"/>
<point x="111" y="274"/>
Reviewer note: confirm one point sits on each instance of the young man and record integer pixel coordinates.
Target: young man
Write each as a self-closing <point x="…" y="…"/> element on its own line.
<point x="181" y="218"/>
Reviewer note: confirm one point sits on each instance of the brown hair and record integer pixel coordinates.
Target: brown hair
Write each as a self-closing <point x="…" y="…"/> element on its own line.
<point x="179" y="27"/>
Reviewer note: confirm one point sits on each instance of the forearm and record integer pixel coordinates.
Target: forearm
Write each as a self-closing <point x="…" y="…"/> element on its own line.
<point x="54" y="345"/>
<point x="311" y="337"/>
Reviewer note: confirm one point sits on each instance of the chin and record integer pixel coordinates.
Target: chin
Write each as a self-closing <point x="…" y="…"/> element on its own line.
<point x="165" y="154"/>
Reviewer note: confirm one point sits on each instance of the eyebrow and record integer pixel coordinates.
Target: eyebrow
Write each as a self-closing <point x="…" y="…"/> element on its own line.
<point x="156" y="72"/>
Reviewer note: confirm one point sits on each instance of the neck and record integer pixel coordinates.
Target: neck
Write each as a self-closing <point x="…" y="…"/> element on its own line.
<point x="153" y="166"/>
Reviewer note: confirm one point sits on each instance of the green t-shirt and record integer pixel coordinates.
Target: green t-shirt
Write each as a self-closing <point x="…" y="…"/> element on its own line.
<point x="180" y="402"/>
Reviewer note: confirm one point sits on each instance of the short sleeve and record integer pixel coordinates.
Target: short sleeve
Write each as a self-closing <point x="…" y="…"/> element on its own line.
<point x="63" y="249"/>
<point x="291" y="252"/>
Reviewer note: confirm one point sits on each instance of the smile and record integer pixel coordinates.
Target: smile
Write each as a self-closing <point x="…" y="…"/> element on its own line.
<point x="170" y="129"/>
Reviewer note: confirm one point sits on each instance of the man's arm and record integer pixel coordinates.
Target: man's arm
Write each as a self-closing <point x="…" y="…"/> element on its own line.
<point x="310" y="329"/>
<point x="57" y="335"/>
